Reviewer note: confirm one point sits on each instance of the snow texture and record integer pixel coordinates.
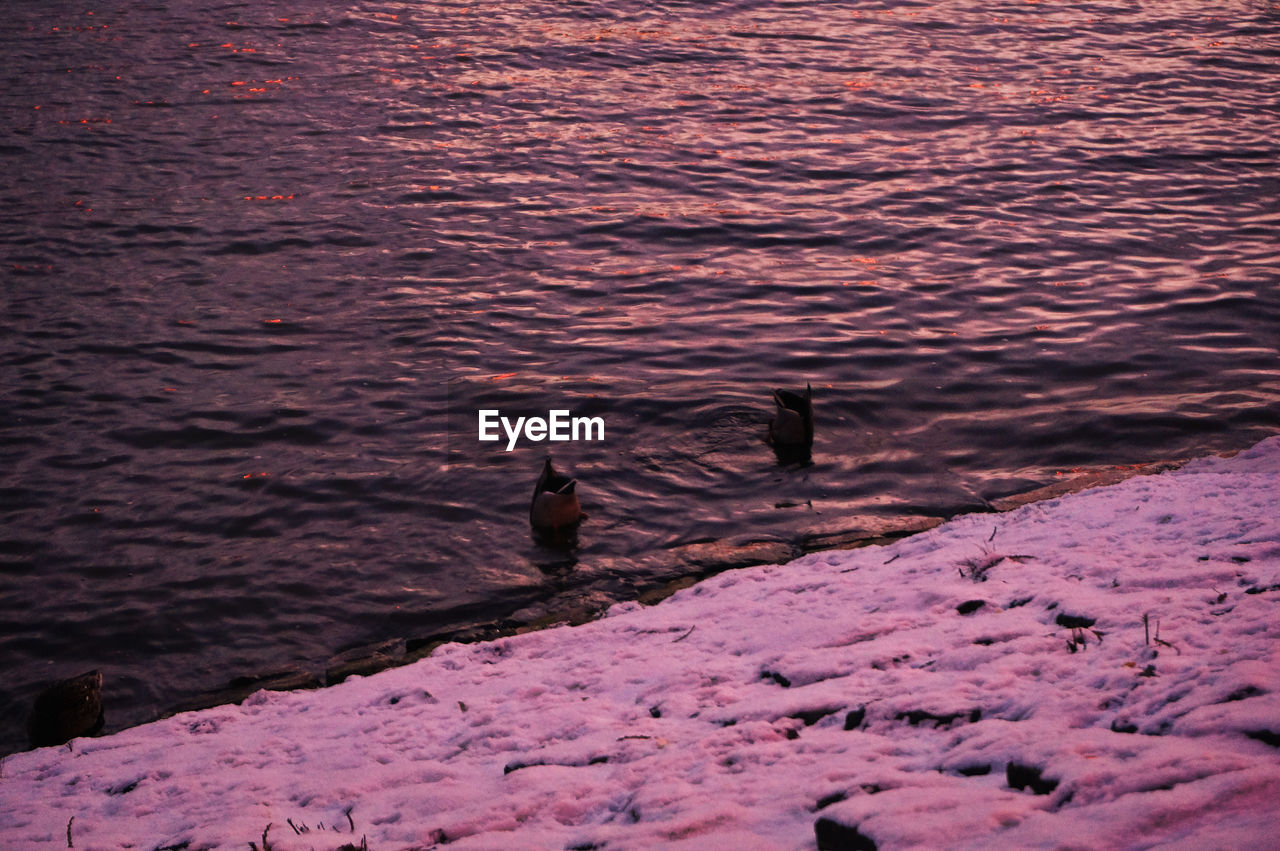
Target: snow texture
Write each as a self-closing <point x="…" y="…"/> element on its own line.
<point x="1114" y="683"/>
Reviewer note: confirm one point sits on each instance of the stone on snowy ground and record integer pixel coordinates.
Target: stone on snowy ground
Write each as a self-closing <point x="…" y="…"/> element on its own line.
<point x="65" y="710"/>
<point x="1029" y="777"/>
<point x="834" y="836"/>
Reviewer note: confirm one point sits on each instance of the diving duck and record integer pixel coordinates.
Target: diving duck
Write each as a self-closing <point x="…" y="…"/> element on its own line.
<point x="554" y="510"/>
<point x="791" y="429"/>
<point x="65" y="710"/>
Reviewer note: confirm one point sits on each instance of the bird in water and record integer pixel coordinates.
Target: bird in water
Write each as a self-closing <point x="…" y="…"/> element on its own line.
<point x="554" y="512"/>
<point x="65" y="710"/>
<point x="791" y="429"/>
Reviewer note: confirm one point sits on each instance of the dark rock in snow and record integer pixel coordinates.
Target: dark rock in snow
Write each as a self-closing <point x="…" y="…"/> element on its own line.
<point x="827" y="800"/>
<point x="813" y="716"/>
<point x="917" y="716"/>
<point x="854" y="719"/>
<point x="1029" y="777"/>
<point x="834" y="836"/>
<point x="1267" y="737"/>
<point x="974" y="770"/>
<point x="776" y="677"/>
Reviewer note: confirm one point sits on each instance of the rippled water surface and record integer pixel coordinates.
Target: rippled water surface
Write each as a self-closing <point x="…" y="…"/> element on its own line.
<point x="263" y="263"/>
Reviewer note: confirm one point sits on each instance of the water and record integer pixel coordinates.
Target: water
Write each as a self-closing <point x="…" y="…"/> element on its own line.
<point x="263" y="264"/>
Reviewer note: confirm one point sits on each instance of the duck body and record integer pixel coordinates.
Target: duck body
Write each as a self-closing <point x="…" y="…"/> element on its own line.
<point x="65" y="710"/>
<point x="554" y="509"/>
<point x="791" y="429"/>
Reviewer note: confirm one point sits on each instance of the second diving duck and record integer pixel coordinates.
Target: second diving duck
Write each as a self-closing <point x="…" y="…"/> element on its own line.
<point x="554" y="512"/>
<point x="791" y="429"/>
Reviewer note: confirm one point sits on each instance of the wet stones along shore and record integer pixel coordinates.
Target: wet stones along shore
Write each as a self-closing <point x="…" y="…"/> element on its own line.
<point x="677" y="568"/>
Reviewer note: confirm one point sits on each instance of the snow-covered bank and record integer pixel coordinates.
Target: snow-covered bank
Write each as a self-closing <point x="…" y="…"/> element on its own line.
<point x="1113" y="653"/>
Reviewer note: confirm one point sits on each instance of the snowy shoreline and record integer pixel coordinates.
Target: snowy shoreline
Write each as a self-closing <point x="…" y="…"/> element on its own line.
<point x="1098" y="670"/>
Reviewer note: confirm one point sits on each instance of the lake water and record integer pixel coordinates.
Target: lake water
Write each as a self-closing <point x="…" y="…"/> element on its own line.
<point x="264" y="263"/>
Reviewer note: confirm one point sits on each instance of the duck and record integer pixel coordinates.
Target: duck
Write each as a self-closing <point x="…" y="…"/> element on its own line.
<point x="65" y="710"/>
<point x="554" y="510"/>
<point x="791" y="429"/>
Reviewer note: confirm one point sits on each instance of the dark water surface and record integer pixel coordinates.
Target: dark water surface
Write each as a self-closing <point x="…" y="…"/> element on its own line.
<point x="263" y="263"/>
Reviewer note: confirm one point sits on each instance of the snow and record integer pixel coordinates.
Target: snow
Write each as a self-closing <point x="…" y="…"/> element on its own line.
<point x="843" y="692"/>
